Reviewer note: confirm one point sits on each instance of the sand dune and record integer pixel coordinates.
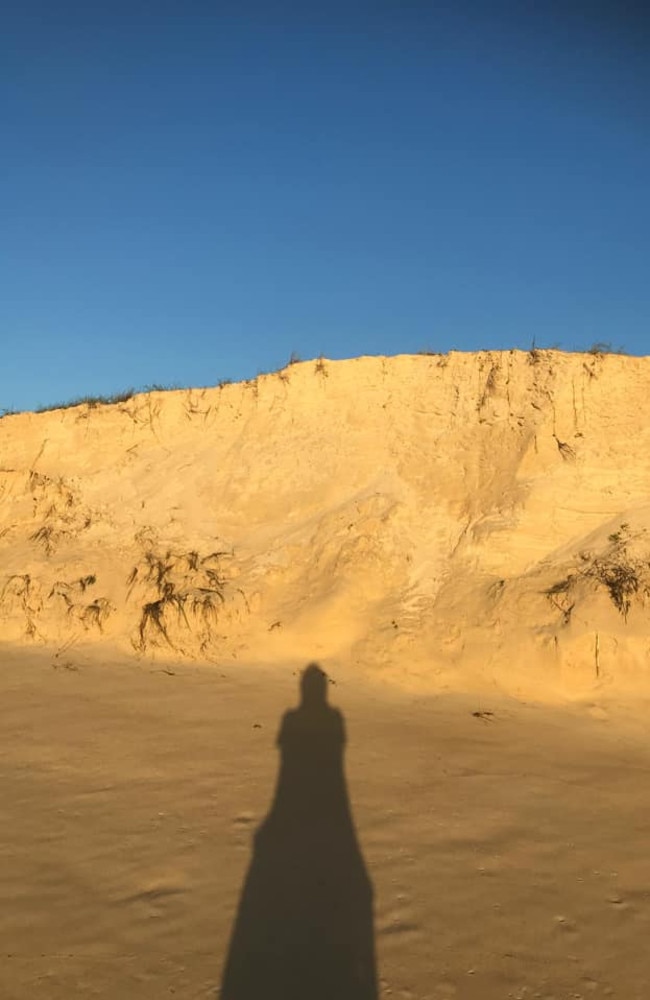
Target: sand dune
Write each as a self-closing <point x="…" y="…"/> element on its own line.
<point x="445" y="521"/>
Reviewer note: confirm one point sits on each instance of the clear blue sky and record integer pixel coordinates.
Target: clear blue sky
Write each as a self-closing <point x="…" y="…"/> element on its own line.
<point x="191" y="190"/>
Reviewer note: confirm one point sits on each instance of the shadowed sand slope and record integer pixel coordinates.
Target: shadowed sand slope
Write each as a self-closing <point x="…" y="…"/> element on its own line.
<point x="454" y="520"/>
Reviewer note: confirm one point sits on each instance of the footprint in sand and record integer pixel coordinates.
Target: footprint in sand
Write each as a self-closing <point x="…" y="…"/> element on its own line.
<point x="244" y="819"/>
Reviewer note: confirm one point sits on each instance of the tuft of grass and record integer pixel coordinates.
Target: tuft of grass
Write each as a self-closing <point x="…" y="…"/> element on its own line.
<point x="601" y="347"/>
<point x="20" y="586"/>
<point x="565" y="449"/>
<point x="205" y="603"/>
<point x="153" y="612"/>
<point x="536" y="354"/>
<point x="95" y="614"/>
<point x="559" y="597"/>
<point x="561" y="587"/>
<point x="490" y="386"/>
<point x="158" y="568"/>
<point x="160" y="387"/>
<point x="17" y="584"/>
<point x="621" y="580"/>
<point x="47" y="537"/>
<point x="60" y="588"/>
<point x="91" y="401"/>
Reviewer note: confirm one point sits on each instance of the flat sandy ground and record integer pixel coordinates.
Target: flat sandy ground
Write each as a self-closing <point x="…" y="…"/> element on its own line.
<point x="508" y="852"/>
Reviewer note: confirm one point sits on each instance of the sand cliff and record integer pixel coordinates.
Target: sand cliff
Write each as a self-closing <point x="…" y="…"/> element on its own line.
<point x="450" y="520"/>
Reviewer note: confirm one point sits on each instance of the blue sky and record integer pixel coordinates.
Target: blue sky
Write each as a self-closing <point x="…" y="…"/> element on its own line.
<point x="191" y="191"/>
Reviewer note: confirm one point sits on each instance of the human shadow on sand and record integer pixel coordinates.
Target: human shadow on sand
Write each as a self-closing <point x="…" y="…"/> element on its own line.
<point x="304" y="929"/>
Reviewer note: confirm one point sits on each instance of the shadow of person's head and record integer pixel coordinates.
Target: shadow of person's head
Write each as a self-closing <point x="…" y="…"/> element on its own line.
<point x="313" y="687"/>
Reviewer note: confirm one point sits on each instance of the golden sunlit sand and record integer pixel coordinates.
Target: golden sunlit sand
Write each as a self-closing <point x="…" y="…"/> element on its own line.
<point x="461" y="542"/>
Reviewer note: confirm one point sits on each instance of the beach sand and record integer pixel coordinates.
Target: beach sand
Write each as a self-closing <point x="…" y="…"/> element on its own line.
<point x="507" y="851"/>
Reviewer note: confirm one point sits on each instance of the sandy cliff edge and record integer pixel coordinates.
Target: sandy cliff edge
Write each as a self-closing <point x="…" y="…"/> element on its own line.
<point x="446" y="520"/>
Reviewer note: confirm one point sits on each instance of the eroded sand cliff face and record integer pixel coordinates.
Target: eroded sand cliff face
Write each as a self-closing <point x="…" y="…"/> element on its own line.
<point x="450" y="520"/>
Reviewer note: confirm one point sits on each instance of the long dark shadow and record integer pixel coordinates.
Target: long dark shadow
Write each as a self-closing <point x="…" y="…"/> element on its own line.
<point x="304" y="929"/>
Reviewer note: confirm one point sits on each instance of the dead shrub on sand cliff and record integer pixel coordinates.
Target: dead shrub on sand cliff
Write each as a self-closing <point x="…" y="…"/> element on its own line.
<point x="186" y="591"/>
<point x="616" y="569"/>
